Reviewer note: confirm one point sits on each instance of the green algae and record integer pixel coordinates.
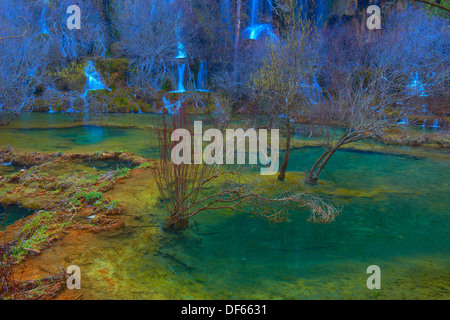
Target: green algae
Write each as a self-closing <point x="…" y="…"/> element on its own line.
<point x="225" y="255"/>
<point x="395" y="216"/>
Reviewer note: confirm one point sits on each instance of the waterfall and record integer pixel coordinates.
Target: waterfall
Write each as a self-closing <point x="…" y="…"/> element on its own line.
<point x="316" y="94"/>
<point x="435" y="124"/>
<point x="43" y="22"/>
<point x="202" y="78"/>
<point x="181" y="69"/>
<point x="166" y="102"/>
<point x="172" y="108"/>
<point x="254" y="13"/>
<point x="181" y="52"/>
<point x="255" y="29"/>
<point x="94" y="80"/>
<point x="416" y="87"/>
<point x="225" y="11"/>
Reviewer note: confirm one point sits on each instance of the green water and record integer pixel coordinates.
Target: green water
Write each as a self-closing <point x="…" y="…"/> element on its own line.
<point x="11" y="214"/>
<point x="396" y="215"/>
<point x="401" y="225"/>
<point x="55" y="132"/>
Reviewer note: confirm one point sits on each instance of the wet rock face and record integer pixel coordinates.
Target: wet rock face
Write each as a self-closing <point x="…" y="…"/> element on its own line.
<point x="350" y="11"/>
<point x="352" y="7"/>
<point x="344" y="7"/>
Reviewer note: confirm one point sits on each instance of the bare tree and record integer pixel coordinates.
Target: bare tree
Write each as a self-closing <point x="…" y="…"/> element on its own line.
<point x="367" y="84"/>
<point x="154" y="36"/>
<point x="20" y="70"/>
<point x="18" y="35"/>
<point x="188" y="189"/>
<point x="91" y="39"/>
<point x="282" y="85"/>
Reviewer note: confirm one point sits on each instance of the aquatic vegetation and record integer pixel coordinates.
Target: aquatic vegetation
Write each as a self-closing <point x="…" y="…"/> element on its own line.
<point x="61" y="196"/>
<point x="186" y="189"/>
<point x="12" y="288"/>
<point x="39" y="232"/>
<point x="89" y="197"/>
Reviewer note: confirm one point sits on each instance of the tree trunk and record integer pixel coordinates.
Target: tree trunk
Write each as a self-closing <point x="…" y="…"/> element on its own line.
<point x="284" y="165"/>
<point x="323" y="163"/>
<point x="175" y="224"/>
<point x="313" y="174"/>
<point x="309" y="177"/>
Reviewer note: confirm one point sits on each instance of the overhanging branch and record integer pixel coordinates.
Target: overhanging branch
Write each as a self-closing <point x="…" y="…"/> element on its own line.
<point x="434" y="5"/>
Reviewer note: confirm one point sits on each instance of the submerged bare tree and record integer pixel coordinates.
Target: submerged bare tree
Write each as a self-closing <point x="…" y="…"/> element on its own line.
<point x="23" y="61"/>
<point x="187" y="189"/>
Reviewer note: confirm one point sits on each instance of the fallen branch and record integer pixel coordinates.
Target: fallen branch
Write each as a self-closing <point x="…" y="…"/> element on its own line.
<point x="32" y="250"/>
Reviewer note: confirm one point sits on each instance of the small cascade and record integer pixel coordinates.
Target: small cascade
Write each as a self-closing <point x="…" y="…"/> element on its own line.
<point x="225" y="11"/>
<point x="256" y="29"/>
<point x="32" y="71"/>
<point x="24" y="102"/>
<point x="94" y="80"/>
<point x="43" y="19"/>
<point x="50" y="92"/>
<point x="166" y="103"/>
<point x="63" y="52"/>
<point x="172" y="108"/>
<point x="316" y="94"/>
<point x="202" y="78"/>
<point x="435" y="124"/>
<point x="403" y="121"/>
<point x="416" y="87"/>
<point x="180" y="83"/>
<point x="181" y="52"/>
<point x="254" y="12"/>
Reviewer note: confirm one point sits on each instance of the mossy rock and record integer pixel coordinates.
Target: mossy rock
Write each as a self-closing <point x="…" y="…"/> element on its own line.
<point x="71" y="77"/>
<point x="114" y="71"/>
<point x="167" y="85"/>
